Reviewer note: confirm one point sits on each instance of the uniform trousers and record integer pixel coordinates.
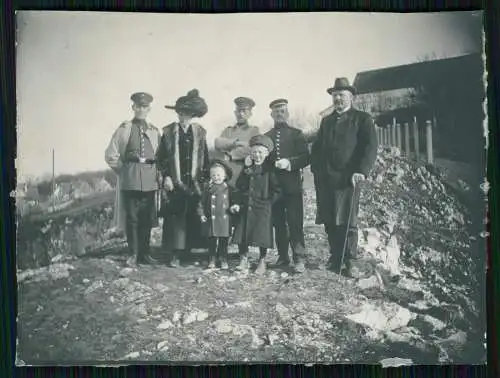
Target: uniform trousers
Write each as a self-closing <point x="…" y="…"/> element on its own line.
<point x="288" y="221"/>
<point x="139" y="207"/>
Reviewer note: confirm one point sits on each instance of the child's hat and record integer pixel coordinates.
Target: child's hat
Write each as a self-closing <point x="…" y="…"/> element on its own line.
<point x="262" y="140"/>
<point x="223" y="164"/>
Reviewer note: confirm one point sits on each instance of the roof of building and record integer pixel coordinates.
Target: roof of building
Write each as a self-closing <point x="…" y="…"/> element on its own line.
<point x="411" y="75"/>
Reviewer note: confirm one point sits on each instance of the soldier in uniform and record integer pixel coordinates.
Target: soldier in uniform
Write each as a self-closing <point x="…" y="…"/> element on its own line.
<point x="233" y="142"/>
<point x="342" y="155"/>
<point x="131" y="154"/>
<point x="290" y="156"/>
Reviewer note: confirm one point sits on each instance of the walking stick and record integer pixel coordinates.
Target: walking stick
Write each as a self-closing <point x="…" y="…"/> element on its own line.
<point x="348" y="226"/>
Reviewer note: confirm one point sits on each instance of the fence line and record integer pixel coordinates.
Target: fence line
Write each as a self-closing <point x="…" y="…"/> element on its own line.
<point x="407" y="137"/>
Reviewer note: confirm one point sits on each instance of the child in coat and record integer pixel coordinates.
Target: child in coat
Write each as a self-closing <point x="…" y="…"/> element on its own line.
<point x="215" y="210"/>
<point x="257" y="190"/>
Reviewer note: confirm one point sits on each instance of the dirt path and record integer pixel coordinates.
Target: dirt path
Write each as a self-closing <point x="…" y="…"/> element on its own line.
<point x="97" y="309"/>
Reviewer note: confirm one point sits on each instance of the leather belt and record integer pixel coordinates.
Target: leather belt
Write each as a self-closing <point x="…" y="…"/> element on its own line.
<point x="140" y="160"/>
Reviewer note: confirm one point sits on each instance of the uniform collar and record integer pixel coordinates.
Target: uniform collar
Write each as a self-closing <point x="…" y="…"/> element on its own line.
<point x="280" y="125"/>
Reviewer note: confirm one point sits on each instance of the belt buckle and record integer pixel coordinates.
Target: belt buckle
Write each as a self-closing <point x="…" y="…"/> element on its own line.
<point x="142" y="160"/>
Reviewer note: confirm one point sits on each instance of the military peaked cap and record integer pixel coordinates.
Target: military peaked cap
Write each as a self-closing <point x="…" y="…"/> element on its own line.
<point x="142" y="98"/>
<point x="278" y="102"/>
<point x="244" y="102"/>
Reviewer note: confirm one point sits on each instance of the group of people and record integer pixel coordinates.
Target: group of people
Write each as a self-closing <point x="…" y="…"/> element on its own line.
<point x="255" y="189"/>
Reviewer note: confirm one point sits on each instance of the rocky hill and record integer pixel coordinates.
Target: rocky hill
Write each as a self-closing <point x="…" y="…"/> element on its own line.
<point x="416" y="296"/>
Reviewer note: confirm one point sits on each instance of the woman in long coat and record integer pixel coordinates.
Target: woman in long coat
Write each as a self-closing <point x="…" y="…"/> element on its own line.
<point x="182" y="160"/>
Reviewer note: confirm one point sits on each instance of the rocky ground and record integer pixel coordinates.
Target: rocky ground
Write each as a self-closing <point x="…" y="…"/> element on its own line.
<point x="415" y="296"/>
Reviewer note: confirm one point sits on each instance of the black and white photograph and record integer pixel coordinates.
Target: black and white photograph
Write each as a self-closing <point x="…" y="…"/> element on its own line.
<point x="251" y="188"/>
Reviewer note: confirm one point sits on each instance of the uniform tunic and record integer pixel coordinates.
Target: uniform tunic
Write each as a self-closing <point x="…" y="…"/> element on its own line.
<point x="215" y="203"/>
<point x="235" y="155"/>
<point x="134" y="175"/>
<point x="288" y="211"/>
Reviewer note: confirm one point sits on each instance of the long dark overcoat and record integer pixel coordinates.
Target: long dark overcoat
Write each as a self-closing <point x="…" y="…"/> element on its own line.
<point x="215" y="203"/>
<point x="181" y="223"/>
<point x="345" y="144"/>
<point x="257" y="189"/>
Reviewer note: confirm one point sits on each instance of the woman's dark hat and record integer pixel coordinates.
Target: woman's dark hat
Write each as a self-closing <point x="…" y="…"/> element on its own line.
<point x="192" y="104"/>
<point x="223" y="164"/>
<point x="341" y="83"/>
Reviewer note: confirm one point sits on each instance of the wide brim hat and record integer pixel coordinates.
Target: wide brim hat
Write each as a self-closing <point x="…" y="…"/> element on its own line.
<point x="191" y="103"/>
<point x="223" y="164"/>
<point x="340" y="84"/>
<point x="262" y="140"/>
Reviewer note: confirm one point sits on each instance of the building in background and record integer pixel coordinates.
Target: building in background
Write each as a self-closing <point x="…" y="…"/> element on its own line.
<point x="448" y="91"/>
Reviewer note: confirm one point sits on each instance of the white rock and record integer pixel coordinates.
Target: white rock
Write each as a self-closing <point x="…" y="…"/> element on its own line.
<point x="223" y="325"/>
<point x="96" y="285"/>
<point x="410" y="285"/>
<point x="272" y="339"/>
<point x="85" y="280"/>
<point x="368" y="283"/>
<point x="165" y="324"/>
<point x="132" y="355"/>
<point x="126" y="271"/>
<point x="395" y="362"/>
<point x="189" y="318"/>
<point x="283" y="312"/>
<point x="176" y="317"/>
<point x="420" y="305"/>
<point x="284" y="275"/>
<point x="388" y="317"/>
<point x="201" y="315"/>
<point x="162" y="344"/>
<point x="437" y="324"/>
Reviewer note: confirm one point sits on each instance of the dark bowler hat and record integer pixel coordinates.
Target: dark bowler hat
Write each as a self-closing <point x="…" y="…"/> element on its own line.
<point x="262" y="140"/>
<point x="223" y="164"/>
<point x="278" y="102"/>
<point x="244" y="102"/>
<point x="341" y="83"/>
<point x="191" y="103"/>
<point x="142" y="98"/>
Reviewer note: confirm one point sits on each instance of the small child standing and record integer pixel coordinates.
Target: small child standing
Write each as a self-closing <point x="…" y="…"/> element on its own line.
<point x="215" y="212"/>
<point x="257" y="190"/>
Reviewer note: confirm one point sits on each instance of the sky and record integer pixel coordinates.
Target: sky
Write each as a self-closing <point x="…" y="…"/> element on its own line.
<point x="76" y="70"/>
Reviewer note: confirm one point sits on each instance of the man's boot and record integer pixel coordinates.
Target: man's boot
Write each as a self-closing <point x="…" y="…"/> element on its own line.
<point x="243" y="265"/>
<point x="261" y="267"/>
<point x="174" y="260"/>
<point x="134" y="246"/>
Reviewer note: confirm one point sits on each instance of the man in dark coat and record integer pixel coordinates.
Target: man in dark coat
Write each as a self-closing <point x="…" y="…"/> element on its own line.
<point x="183" y="162"/>
<point x="289" y="157"/>
<point x="342" y="156"/>
<point x="131" y="154"/>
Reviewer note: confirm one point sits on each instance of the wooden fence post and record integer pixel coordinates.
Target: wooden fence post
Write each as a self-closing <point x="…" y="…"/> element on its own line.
<point x="398" y="136"/>
<point x="415" y="139"/>
<point x="393" y="131"/>
<point x="428" y="133"/>
<point x="384" y="135"/>
<point x="407" y="139"/>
